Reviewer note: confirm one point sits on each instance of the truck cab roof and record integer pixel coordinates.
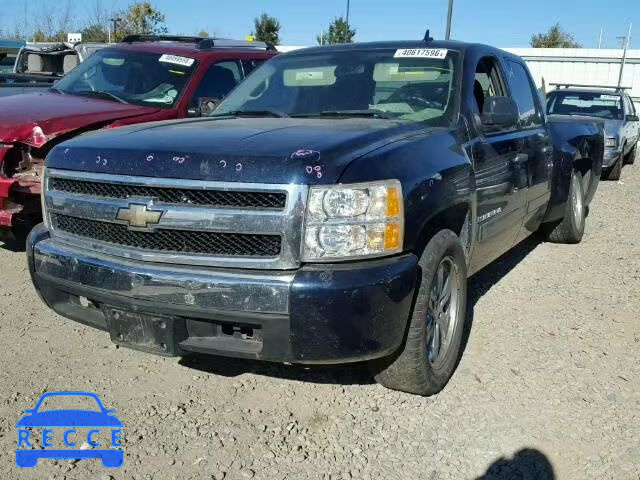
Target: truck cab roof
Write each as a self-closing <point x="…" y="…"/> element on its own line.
<point x="418" y="44"/>
<point x="195" y="47"/>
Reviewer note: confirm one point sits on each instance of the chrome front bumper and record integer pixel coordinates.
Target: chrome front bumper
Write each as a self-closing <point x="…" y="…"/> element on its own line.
<point x="207" y="288"/>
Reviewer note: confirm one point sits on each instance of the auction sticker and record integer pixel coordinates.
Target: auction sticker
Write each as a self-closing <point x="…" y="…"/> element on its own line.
<point x="301" y="76"/>
<point x="178" y="60"/>
<point x="440" y="53"/>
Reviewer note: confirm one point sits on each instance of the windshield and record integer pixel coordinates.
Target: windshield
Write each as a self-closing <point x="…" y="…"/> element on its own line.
<point x="139" y="78"/>
<point x="586" y="103"/>
<point x="413" y="85"/>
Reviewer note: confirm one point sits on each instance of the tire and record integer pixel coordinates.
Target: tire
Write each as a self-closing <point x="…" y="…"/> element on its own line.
<point x="615" y="171"/>
<point x="571" y="228"/>
<point x="631" y="156"/>
<point x="426" y="363"/>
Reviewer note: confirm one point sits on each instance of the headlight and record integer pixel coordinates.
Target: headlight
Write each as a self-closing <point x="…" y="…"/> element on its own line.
<point x="43" y="184"/>
<point x="360" y="220"/>
<point x="610" y="142"/>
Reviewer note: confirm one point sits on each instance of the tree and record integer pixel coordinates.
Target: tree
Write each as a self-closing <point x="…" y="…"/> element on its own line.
<point x="39" y="36"/>
<point x="51" y="24"/>
<point x="267" y="29"/>
<point x="140" y="18"/>
<point x="203" y="34"/>
<point x="339" y="32"/>
<point x="554" y="38"/>
<point x="94" y="33"/>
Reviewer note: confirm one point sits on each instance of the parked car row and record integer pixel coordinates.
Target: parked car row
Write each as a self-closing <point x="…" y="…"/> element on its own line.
<point x="615" y="107"/>
<point x="330" y="209"/>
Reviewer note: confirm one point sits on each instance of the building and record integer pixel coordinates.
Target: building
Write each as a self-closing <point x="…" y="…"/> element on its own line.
<point x="583" y="66"/>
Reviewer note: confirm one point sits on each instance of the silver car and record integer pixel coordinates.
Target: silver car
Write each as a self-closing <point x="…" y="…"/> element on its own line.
<point x="614" y="106"/>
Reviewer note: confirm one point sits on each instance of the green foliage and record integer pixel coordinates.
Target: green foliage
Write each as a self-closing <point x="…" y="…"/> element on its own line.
<point x="554" y="38"/>
<point x="94" y="33"/>
<point x="203" y="34"/>
<point x="339" y="32"/>
<point x="266" y="29"/>
<point x="140" y="18"/>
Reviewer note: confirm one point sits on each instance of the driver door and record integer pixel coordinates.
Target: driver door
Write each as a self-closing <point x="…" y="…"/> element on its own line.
<point x="496" y="155"/>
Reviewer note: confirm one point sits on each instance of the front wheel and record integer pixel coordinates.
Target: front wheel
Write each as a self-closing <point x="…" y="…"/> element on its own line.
<point x="571" y="228"/>
<point x="431" y="351"/>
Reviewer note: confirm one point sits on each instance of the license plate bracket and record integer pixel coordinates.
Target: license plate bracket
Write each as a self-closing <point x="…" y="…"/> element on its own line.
<point x="142" y="331"/>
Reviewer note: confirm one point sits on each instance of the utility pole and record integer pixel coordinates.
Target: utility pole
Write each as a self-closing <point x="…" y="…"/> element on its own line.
<point x="625" y="45"/>
<point x="25" y="20"/>
<point x="447" y="34"/>
<point x="600" y="40"/>
<point x="115" y="21"/>
<point x="347" y="14"/>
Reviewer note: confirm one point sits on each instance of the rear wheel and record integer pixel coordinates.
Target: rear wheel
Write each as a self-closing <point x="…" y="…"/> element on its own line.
<point x="434" y="339"/>
<point x="571" y="228"/>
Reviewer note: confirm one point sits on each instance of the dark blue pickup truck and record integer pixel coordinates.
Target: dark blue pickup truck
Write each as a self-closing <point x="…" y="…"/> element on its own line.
<point x="330" y="211"/>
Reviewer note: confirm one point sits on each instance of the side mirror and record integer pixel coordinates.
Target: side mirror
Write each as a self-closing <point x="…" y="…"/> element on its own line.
<point x="206" y="106"/>
<point x="632" y="118"/>
<point x="499" y="113"/>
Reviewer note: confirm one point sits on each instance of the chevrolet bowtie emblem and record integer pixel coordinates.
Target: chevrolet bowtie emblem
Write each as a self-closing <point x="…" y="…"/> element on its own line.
<point x="139" y="216"/>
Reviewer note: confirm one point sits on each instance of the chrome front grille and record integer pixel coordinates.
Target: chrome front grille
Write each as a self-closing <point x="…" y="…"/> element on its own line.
<point x="228" y="224"/>
<point x="176" y="196"/>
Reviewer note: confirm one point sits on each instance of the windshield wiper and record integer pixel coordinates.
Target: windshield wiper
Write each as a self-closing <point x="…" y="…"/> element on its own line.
<point x="348" y="113"/>
<point x="252" y="113"/>
<point x="101" y="94"/>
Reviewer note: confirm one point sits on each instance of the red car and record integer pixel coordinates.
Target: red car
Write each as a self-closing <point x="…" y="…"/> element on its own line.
<point x="142" y="79"/>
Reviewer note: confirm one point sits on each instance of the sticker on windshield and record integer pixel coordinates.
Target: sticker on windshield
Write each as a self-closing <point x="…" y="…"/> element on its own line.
<point x="178" y="60"/>
<point x="311" y="76"/>
<point x="609" y="97"/>
<point x="440" y="53"/>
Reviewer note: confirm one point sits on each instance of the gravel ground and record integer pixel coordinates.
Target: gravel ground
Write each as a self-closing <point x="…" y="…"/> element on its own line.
<point x="548" y="386"/>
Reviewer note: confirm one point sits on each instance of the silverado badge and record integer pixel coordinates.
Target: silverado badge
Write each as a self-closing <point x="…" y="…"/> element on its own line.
<point x="139" y="216"/>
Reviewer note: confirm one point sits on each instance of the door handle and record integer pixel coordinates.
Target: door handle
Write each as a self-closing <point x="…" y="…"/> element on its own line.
<point x="520" y="175"/>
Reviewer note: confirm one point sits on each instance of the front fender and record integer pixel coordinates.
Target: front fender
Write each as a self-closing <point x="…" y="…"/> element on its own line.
<point x="435" y="173"/>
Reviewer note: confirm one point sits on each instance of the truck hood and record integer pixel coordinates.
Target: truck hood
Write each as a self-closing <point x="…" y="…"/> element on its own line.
<point x="56" y="114"/>
<point x="267" y="150"/>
